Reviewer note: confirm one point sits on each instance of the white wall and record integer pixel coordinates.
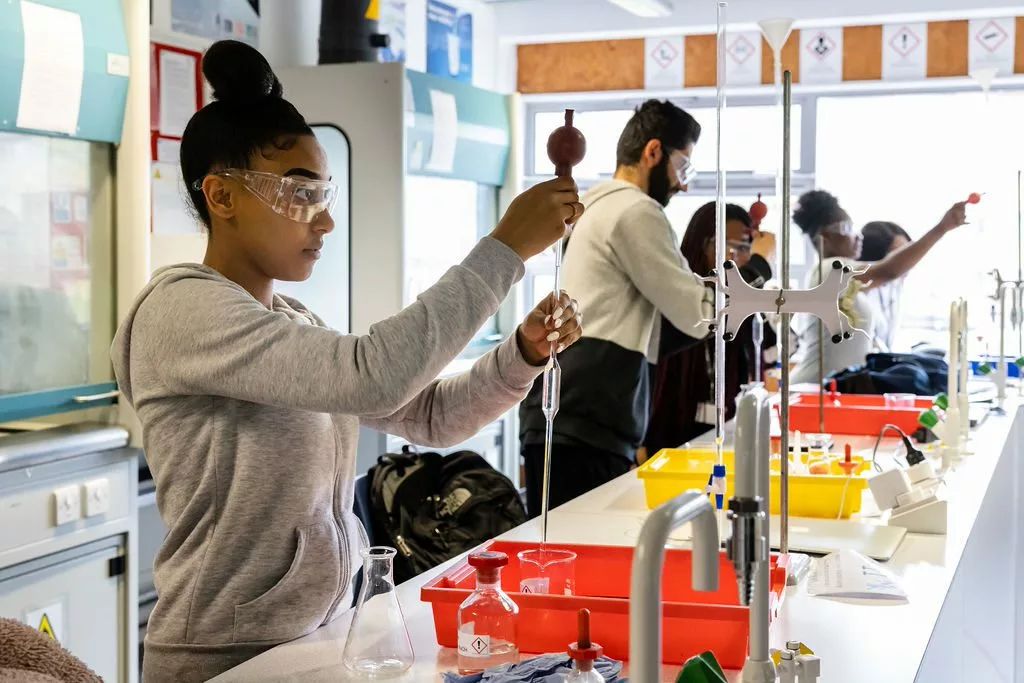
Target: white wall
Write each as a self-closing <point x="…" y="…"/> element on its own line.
<point x="561" y="20"/>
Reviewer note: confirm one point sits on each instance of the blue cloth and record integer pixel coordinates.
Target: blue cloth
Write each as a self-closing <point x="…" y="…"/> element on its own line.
<point x="542" y="669"/>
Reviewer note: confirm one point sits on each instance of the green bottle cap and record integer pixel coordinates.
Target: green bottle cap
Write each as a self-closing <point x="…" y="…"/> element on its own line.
<point x="942" y="401"/>
<point x="1019" y="362"/>
<point x="928" y="419"/>
<point x="985" y="368"/>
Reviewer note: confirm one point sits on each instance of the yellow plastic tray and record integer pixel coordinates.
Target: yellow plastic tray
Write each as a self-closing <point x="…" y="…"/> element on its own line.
<point x="674" y="471"/>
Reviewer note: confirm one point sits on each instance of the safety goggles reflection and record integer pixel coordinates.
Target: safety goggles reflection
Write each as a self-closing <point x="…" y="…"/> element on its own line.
<point x="296" y="198"/>
<point x="840" y="229"/>
<point x="685" y="171"/>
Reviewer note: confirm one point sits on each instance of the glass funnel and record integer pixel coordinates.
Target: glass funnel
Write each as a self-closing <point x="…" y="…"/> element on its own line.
<point x="378" y="644"/>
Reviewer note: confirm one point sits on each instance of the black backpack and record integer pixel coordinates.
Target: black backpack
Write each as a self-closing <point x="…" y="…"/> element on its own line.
<point x="905" y="373"/>
<point x="432" y="507"/>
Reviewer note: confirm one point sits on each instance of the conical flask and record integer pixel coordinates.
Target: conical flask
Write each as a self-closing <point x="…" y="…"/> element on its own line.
<point x="378" y="644"/>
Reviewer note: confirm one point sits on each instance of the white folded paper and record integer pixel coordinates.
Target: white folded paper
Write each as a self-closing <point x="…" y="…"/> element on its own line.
<point x="848" y="574"/>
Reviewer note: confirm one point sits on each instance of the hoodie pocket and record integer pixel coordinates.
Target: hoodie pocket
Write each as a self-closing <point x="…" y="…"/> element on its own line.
<point x="299" y="602"/>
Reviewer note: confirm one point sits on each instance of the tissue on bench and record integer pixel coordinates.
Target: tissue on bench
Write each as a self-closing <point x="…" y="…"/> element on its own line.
<point x="543" y="669"/>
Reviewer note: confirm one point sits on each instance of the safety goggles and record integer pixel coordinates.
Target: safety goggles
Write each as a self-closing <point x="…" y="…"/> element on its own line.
<point x="685" y="171"/>
<point x="840" y="229"/>
<point x="294" y="197"/>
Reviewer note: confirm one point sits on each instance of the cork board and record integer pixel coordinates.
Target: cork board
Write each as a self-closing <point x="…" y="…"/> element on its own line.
<point x="581" y="67"/>
<point x="947" y="49"/>
<point x="701" y="61"/>
<point x="862" y="53"/>
<point x="1018" y="58"/>
<point x="790" y="58"/>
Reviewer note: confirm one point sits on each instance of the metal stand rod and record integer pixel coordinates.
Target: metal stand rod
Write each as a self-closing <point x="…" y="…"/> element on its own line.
<point x="787" y="101"/>
<point x="821" y="344"/>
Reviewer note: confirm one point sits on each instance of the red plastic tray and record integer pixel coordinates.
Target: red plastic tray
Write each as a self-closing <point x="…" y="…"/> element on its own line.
<point x="692" y="622"/>
<point x="859" y="414"/>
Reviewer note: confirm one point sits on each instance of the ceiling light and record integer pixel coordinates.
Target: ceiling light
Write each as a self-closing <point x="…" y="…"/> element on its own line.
<point x="646" y="8"/>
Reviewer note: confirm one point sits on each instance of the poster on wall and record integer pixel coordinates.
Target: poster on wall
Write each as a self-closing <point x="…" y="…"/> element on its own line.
<point x="216" y="19"/>
<point x="821" y="55"/>
<point x="743" y="58"/>
<point x="992" y="45"/>
<point x="449" y="42"/>
<point x="663" y="62"/>
<point x="392" y="24"/>
<point x="904" y="52"/>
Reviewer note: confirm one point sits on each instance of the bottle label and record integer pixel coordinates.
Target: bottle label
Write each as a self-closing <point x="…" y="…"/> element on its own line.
<point x="471" y="645"/>
<point x="539" y="586"/>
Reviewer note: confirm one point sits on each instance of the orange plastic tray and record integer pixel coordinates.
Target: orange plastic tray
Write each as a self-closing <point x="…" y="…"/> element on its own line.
<point x="692" y="622"/>
<point x="859" y="414"/>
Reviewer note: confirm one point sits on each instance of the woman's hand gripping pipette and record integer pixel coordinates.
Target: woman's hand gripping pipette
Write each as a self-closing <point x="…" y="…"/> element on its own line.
<point x="566" y="148"/>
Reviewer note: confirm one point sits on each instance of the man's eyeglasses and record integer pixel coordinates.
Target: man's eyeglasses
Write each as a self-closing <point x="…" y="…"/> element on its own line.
<point x="685" y="171"/>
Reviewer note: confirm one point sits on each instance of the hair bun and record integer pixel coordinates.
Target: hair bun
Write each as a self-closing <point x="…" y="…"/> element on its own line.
<point x="239" y="72"/>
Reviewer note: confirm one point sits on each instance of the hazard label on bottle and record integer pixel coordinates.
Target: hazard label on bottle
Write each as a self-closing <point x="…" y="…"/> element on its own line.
<point x="472" y="645"/>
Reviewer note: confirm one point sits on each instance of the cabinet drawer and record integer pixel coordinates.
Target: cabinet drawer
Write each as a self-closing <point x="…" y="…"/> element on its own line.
<point x="28" y="511"/>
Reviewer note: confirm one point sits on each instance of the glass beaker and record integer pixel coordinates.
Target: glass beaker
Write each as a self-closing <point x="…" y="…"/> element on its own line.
<point x="547" y="571"/>
<point x="378" y="644"/>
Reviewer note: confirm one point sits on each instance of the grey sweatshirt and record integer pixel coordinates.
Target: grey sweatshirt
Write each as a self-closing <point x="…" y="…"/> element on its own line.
<point x="250" y="419"/>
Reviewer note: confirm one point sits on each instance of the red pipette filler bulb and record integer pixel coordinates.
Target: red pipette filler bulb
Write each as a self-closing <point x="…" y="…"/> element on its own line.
<point x="583" y="651"/>
<point x="758" y="210"/>
<point x="974" y="198"/>
<point x="833" y="392"/>
<point x="848" y="465"/>
<point x="566" y="147"/>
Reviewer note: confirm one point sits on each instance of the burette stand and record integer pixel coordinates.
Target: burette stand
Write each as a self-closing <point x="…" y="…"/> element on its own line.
<point x="566" y="148"/>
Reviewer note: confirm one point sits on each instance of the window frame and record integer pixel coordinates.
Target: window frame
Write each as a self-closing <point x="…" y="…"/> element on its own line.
<point x="802" y="180"/>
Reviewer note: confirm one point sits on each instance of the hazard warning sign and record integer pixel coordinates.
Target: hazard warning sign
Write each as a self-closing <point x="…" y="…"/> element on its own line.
<point x="992" y="45"/>
<point x="821" y="60"/>
<point x="743" y="58"/>
<point x="904" y="51"/>
<point x="663" y="63"/>
<point x="48" y="620"/>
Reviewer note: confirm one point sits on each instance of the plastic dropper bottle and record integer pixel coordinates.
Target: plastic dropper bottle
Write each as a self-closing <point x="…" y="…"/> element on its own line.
<point x="584" y="653"/>
<point x="488" y="619"/>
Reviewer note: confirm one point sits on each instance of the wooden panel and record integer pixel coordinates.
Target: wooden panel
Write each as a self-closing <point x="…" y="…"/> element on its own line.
<point x="947" y="49"/>
<point x="702" y="61"/>
<point x="862" y="53"/>
<point x="1018" y="60"/>
<point x="581" y="67"/>
<point x="790" y="58"/>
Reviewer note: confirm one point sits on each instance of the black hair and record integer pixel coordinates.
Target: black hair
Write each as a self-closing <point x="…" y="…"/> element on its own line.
<point x="702" y="228"/>
<point x="878" y="239"/>
<point x="248" y="114"/>
<point x="815" y="210"/>
<point x="655" y="120"/>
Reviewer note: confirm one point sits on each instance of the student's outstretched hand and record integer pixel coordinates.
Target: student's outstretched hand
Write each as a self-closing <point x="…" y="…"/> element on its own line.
<point x="551" y="321"/>
<point x="955" y="217"/>
<point x="537" y="218"/>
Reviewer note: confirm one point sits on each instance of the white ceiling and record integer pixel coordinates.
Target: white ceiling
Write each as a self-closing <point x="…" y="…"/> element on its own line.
<point x="522" y="21"/>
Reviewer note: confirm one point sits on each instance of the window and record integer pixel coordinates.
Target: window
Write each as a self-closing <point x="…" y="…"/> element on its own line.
<point x="602" y="129"/>
<point x="56" y="273"/>
<point x="907" y="159"/>
<point x="438" y="238"/>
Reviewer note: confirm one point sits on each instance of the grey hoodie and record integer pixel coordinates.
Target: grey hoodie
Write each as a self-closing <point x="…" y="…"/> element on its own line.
<point x="250" y="419"/>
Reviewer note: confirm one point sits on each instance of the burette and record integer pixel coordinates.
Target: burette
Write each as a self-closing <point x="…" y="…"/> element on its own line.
<point x="720" y="255"/>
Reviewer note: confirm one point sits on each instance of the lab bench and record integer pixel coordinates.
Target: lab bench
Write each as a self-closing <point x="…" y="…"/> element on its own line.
<point x="68" y="499"/>
<point x="964" y="619"/>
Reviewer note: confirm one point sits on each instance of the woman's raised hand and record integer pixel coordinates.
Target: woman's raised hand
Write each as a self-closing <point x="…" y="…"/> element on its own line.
<point x="537" y="218"/>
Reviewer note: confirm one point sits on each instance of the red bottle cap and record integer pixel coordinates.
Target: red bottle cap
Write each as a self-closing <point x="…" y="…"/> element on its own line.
<point x="848" y="465"/>
<point x="583" y="651"/>
<point x="488" y="559"/>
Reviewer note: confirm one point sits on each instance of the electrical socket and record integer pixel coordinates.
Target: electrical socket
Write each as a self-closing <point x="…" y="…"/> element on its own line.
<point x="67" y="504"/>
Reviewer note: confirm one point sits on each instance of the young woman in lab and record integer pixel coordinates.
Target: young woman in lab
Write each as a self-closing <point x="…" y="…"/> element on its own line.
<point x="250" y="407"/>
<point x="820" y="216"/>
<point x="879" y="239"/>
<point x="682" y="405"/>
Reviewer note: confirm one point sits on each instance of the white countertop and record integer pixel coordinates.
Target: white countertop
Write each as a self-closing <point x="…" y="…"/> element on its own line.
<point x="858" y="643"/>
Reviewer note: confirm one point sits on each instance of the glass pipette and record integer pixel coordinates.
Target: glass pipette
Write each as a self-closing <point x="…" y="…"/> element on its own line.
<point x="566" y="147"/>
<point x="720" y="254"/>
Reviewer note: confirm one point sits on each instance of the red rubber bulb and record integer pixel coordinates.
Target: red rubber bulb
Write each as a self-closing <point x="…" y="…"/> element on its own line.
<point x="566" y="147"/>
<point x="758" y="211"/>
<point x="974" y="198"/>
